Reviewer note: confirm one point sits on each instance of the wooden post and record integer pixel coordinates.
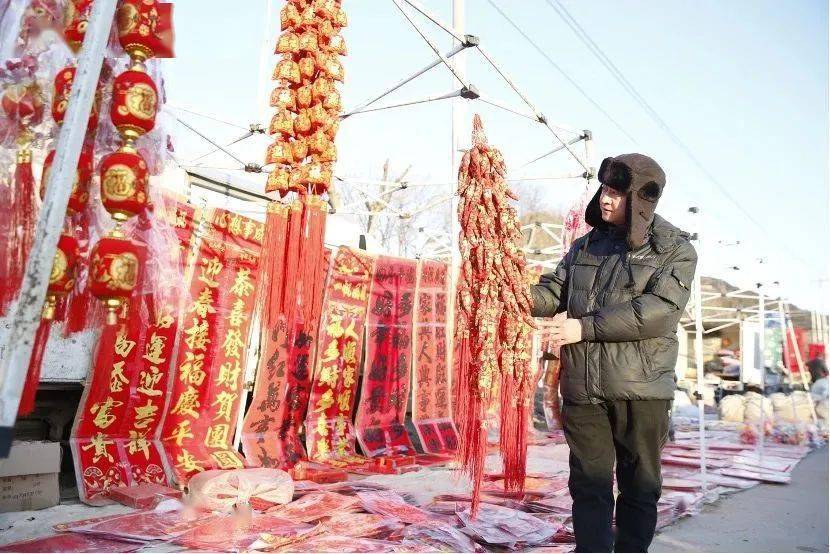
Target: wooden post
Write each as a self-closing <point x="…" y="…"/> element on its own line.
<point x="15" y="364"/>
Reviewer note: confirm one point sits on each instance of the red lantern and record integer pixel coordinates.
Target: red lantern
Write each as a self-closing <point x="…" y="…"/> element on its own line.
<point x="60" y="98"/>
<point x="114" y="271"/>
<point x="62" y="278"/>
<point x="124" y="182"/>
<point x="77" y="20"/>
<point x="80" y="186"/>
<point x="145" y="29"/>
<point x="134" y="104"/>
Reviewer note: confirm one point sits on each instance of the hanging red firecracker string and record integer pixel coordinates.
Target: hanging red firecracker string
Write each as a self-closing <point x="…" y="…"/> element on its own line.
<point x="493" y="322"/>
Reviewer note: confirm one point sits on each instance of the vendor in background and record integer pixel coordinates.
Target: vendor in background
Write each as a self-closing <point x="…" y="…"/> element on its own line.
<point x="617" y="297"/>
<point x="819" y="389"/>
<point x="817" y="366"/>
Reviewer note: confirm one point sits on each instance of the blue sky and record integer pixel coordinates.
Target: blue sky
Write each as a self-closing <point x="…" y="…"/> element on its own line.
<point x="744" y="83"/>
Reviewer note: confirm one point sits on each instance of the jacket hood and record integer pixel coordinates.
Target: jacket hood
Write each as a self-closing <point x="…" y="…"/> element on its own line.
<point x="643" y="180"/>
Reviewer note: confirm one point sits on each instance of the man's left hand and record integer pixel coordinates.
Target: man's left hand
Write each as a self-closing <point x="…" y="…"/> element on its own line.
<point x="565" y="330"/>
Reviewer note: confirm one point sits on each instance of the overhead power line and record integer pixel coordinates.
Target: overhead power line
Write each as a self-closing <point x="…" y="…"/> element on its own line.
<point x="560" y="70"/>
<point x="586" y="39"/>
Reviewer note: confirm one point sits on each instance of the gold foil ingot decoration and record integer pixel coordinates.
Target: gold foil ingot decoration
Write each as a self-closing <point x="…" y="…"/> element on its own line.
<point x="308" y="18"/>
<point x="327" y="29"/>
<point x="302" y="123"/>
<point x="299" y="149"/>
<point x="323" y="86"/>
<point x="285" y="98"/>
<point x="288" y="70"/>
<point x="332" y="102"/>
<point x="278" y="179"/>
<point x="307" y="67"/>
<point x="305" y="96"/>
<point x="337" y="45"/>
<point x="289" y="17"/>
<point x="282" y="123"/>
<point x="319" y="116"/>
<point x="279" y="153"/>
<point x="288" y="43"/>
<point x="308" y="42"/>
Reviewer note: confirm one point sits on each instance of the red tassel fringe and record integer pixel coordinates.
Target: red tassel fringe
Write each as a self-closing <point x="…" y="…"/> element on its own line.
<point x="27" y="399"/>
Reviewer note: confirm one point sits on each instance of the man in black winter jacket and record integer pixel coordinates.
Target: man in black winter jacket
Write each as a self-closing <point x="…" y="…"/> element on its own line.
<point x="616" y="299"/>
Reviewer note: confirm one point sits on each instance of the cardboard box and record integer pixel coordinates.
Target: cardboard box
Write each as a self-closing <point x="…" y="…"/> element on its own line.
<point x="29" y="477"/>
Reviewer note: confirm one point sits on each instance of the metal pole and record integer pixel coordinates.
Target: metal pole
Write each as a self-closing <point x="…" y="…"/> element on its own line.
<point x="701" y="413"/>
<point x="785" y="358"/>
<point x="459" y="113"/>
<point x="50" y="220"/>
<point x="762" y="364"/>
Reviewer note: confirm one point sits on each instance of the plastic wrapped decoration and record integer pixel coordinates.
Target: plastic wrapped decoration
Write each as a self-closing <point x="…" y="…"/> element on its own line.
<point x="77" y="21"/>
<point x="25" y="24"/>
<point x="306" y="122"/>
<point x="134" y="104"/>
<point x="114" y="271"/>
<point x="145" y="29"/>
<point x="79" y="197"/>
<point x="61" y="281"/>
<point x="124" y="183"/>
<point x="23" y="107"/>
<point x="60" y="99"/>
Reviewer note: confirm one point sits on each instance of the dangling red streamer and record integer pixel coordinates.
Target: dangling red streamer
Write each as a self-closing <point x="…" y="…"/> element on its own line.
<point x="27" y="399"/>
<point x="22" y="218"/>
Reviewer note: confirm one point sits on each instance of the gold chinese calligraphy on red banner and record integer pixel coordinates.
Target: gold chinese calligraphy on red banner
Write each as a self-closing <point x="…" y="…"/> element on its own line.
<point x="120" y="412"/>
<point x="329" y="430"/>
<point x="207" y="382"/>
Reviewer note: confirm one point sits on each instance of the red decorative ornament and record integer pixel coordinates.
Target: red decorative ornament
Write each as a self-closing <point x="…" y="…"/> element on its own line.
<point x="79" y="196"/>
<point x="134" y="104"/>
<point x="23" y="104"/>
<point x="114" y="271"/>
<point x="145" y="29"/>
<point x="124" y="183"/>
<point x="60" y="98"/>
<point x="62" y="278"/>
<point x="77" y="21"/>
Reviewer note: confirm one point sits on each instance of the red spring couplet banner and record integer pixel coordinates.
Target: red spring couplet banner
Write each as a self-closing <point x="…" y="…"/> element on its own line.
<point x="329" y="433"/>
<point x="112" y="438"/>
<point x="207" y="379"/>
<point x="292" y="291"/>
<point x="388" y="361"/>
<point x="431" y="410"/>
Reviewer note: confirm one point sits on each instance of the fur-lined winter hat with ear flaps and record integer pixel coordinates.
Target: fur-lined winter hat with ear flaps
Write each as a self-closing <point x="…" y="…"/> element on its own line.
<point x="642" y="179"/>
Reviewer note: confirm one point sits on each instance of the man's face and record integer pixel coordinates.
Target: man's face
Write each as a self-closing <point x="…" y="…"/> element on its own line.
<point x="612" y="203"/>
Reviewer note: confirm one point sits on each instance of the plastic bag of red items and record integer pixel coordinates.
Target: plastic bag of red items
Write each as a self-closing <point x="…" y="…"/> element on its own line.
<point x="146" y="526"/>
<point x="316" y="506"/>
<point x="497" y="525"/>
<point x="371" y="526"/>
<point x="234" y="533"/>
<point x="72" y="542"/>
<point x="439" y="537"/>
<point x="391" y="504"/>
<point x="144" y="496"/>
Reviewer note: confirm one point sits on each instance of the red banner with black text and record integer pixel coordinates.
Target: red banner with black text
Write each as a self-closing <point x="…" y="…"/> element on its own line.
<point x="431" y="410"/>
<point x="388" y="361"/>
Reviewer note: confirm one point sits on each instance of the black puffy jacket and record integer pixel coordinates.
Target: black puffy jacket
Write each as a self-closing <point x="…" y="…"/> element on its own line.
<point x="630" y="303"/>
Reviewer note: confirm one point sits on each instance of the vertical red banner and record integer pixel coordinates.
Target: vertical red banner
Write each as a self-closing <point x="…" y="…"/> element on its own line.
<point x="388" y="362"/>
<point x="431" y="411"/>
<point x="207" y="381"/>
<point x="120" y="411"/>
<point x="329" y="432"/>
<point x="293" y="292"/>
